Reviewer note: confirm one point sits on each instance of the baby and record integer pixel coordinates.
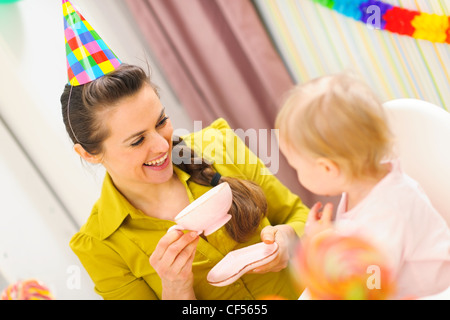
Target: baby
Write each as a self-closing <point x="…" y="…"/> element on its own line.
<point x="334" y="132"/>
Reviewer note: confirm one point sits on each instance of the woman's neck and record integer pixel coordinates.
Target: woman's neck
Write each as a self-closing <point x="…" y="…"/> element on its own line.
<point x="162" y="201"/>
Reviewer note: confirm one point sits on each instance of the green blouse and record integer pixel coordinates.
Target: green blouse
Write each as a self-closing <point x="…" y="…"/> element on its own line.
<point x="117" y="240"/>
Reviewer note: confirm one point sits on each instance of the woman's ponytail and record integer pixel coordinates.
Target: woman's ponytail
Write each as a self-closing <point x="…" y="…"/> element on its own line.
<point x="249" y="202"/>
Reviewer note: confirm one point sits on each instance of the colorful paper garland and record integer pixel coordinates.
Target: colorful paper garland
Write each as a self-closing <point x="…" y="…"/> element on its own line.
<point x="419" y="25"/>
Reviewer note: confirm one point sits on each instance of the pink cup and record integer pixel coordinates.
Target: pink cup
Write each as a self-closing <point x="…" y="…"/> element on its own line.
<point x="207" y="213"/>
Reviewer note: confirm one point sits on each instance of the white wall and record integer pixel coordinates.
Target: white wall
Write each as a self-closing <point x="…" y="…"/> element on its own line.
<point x="45" y="191"/>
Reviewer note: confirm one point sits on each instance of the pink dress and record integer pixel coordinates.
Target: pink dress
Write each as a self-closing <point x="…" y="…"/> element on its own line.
<point x="399" y="218"/>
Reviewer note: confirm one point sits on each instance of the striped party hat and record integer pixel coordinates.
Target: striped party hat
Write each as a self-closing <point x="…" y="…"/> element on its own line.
<point x="88" y="56"/>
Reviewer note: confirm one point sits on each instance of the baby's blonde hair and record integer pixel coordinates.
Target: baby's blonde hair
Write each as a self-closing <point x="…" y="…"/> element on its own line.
<point x="340" y="118"/>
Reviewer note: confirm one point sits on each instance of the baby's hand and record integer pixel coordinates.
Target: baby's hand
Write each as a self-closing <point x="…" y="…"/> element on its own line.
<point x="319" y="221"/>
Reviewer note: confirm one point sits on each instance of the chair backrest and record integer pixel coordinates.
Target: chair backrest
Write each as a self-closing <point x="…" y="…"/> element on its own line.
<point x="422" y="132"/>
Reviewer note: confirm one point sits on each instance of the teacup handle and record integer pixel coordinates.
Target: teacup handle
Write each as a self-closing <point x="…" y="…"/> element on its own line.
<point x="175" y="227"/>
<point x="181" y="228"/>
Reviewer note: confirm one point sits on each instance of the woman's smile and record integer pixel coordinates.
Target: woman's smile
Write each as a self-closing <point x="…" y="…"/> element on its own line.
<point x="159" y="164"/>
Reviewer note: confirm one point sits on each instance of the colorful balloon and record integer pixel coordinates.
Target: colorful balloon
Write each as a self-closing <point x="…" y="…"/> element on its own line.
<point x="8" y="1"/>
<point x="336" y="267"/>
<point x="30" y="289"/>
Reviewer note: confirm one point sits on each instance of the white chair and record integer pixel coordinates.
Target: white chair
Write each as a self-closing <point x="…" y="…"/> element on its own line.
<point x="422" y="132"/>
<point x="444" y="295"/>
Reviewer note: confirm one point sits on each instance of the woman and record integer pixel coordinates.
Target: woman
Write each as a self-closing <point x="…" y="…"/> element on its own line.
<point x="118" y="121"/>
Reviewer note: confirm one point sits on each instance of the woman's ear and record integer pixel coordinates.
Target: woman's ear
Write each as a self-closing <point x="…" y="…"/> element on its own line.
<point x="328" y="167"/>
<point x="78" y="148"/>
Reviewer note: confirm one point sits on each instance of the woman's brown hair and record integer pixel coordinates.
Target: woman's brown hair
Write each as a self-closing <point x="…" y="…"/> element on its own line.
<point x="249" y="202"/>
<point x="81" y="110"/>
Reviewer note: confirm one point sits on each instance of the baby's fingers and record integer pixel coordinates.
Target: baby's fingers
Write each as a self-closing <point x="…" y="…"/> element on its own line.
<point x="314" y="213"/>
<point x="327" y="213"/>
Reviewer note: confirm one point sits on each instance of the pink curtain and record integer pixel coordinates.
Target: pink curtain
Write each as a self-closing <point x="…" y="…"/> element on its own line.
<point x="220" y="62"/>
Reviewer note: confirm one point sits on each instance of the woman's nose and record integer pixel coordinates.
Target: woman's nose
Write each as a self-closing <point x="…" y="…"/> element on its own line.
<point x="159" y="143"/>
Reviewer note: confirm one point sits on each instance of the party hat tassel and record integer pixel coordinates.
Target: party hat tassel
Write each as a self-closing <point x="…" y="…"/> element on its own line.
<point x="88" y="56"/>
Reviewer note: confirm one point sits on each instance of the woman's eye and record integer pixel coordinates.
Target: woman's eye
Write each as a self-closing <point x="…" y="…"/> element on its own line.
<point x="162" y="122"/>
<point x="135" y="144"/>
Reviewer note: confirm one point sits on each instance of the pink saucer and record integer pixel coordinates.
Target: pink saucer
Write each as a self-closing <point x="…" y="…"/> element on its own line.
<point x="238" y="262"/>
<point x="207" y="213"/>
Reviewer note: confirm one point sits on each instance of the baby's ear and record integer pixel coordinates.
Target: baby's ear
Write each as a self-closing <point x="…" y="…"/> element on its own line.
<point x="78" y="148"/>
<point x="329" y="167"/>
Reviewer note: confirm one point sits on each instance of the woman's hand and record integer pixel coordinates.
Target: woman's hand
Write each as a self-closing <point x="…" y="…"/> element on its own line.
<point x="172" y="260"/>
<point x="284" y="235"/>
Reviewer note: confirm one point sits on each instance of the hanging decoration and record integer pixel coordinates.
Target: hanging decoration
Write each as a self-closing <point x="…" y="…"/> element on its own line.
<point x="384" y="16"/>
